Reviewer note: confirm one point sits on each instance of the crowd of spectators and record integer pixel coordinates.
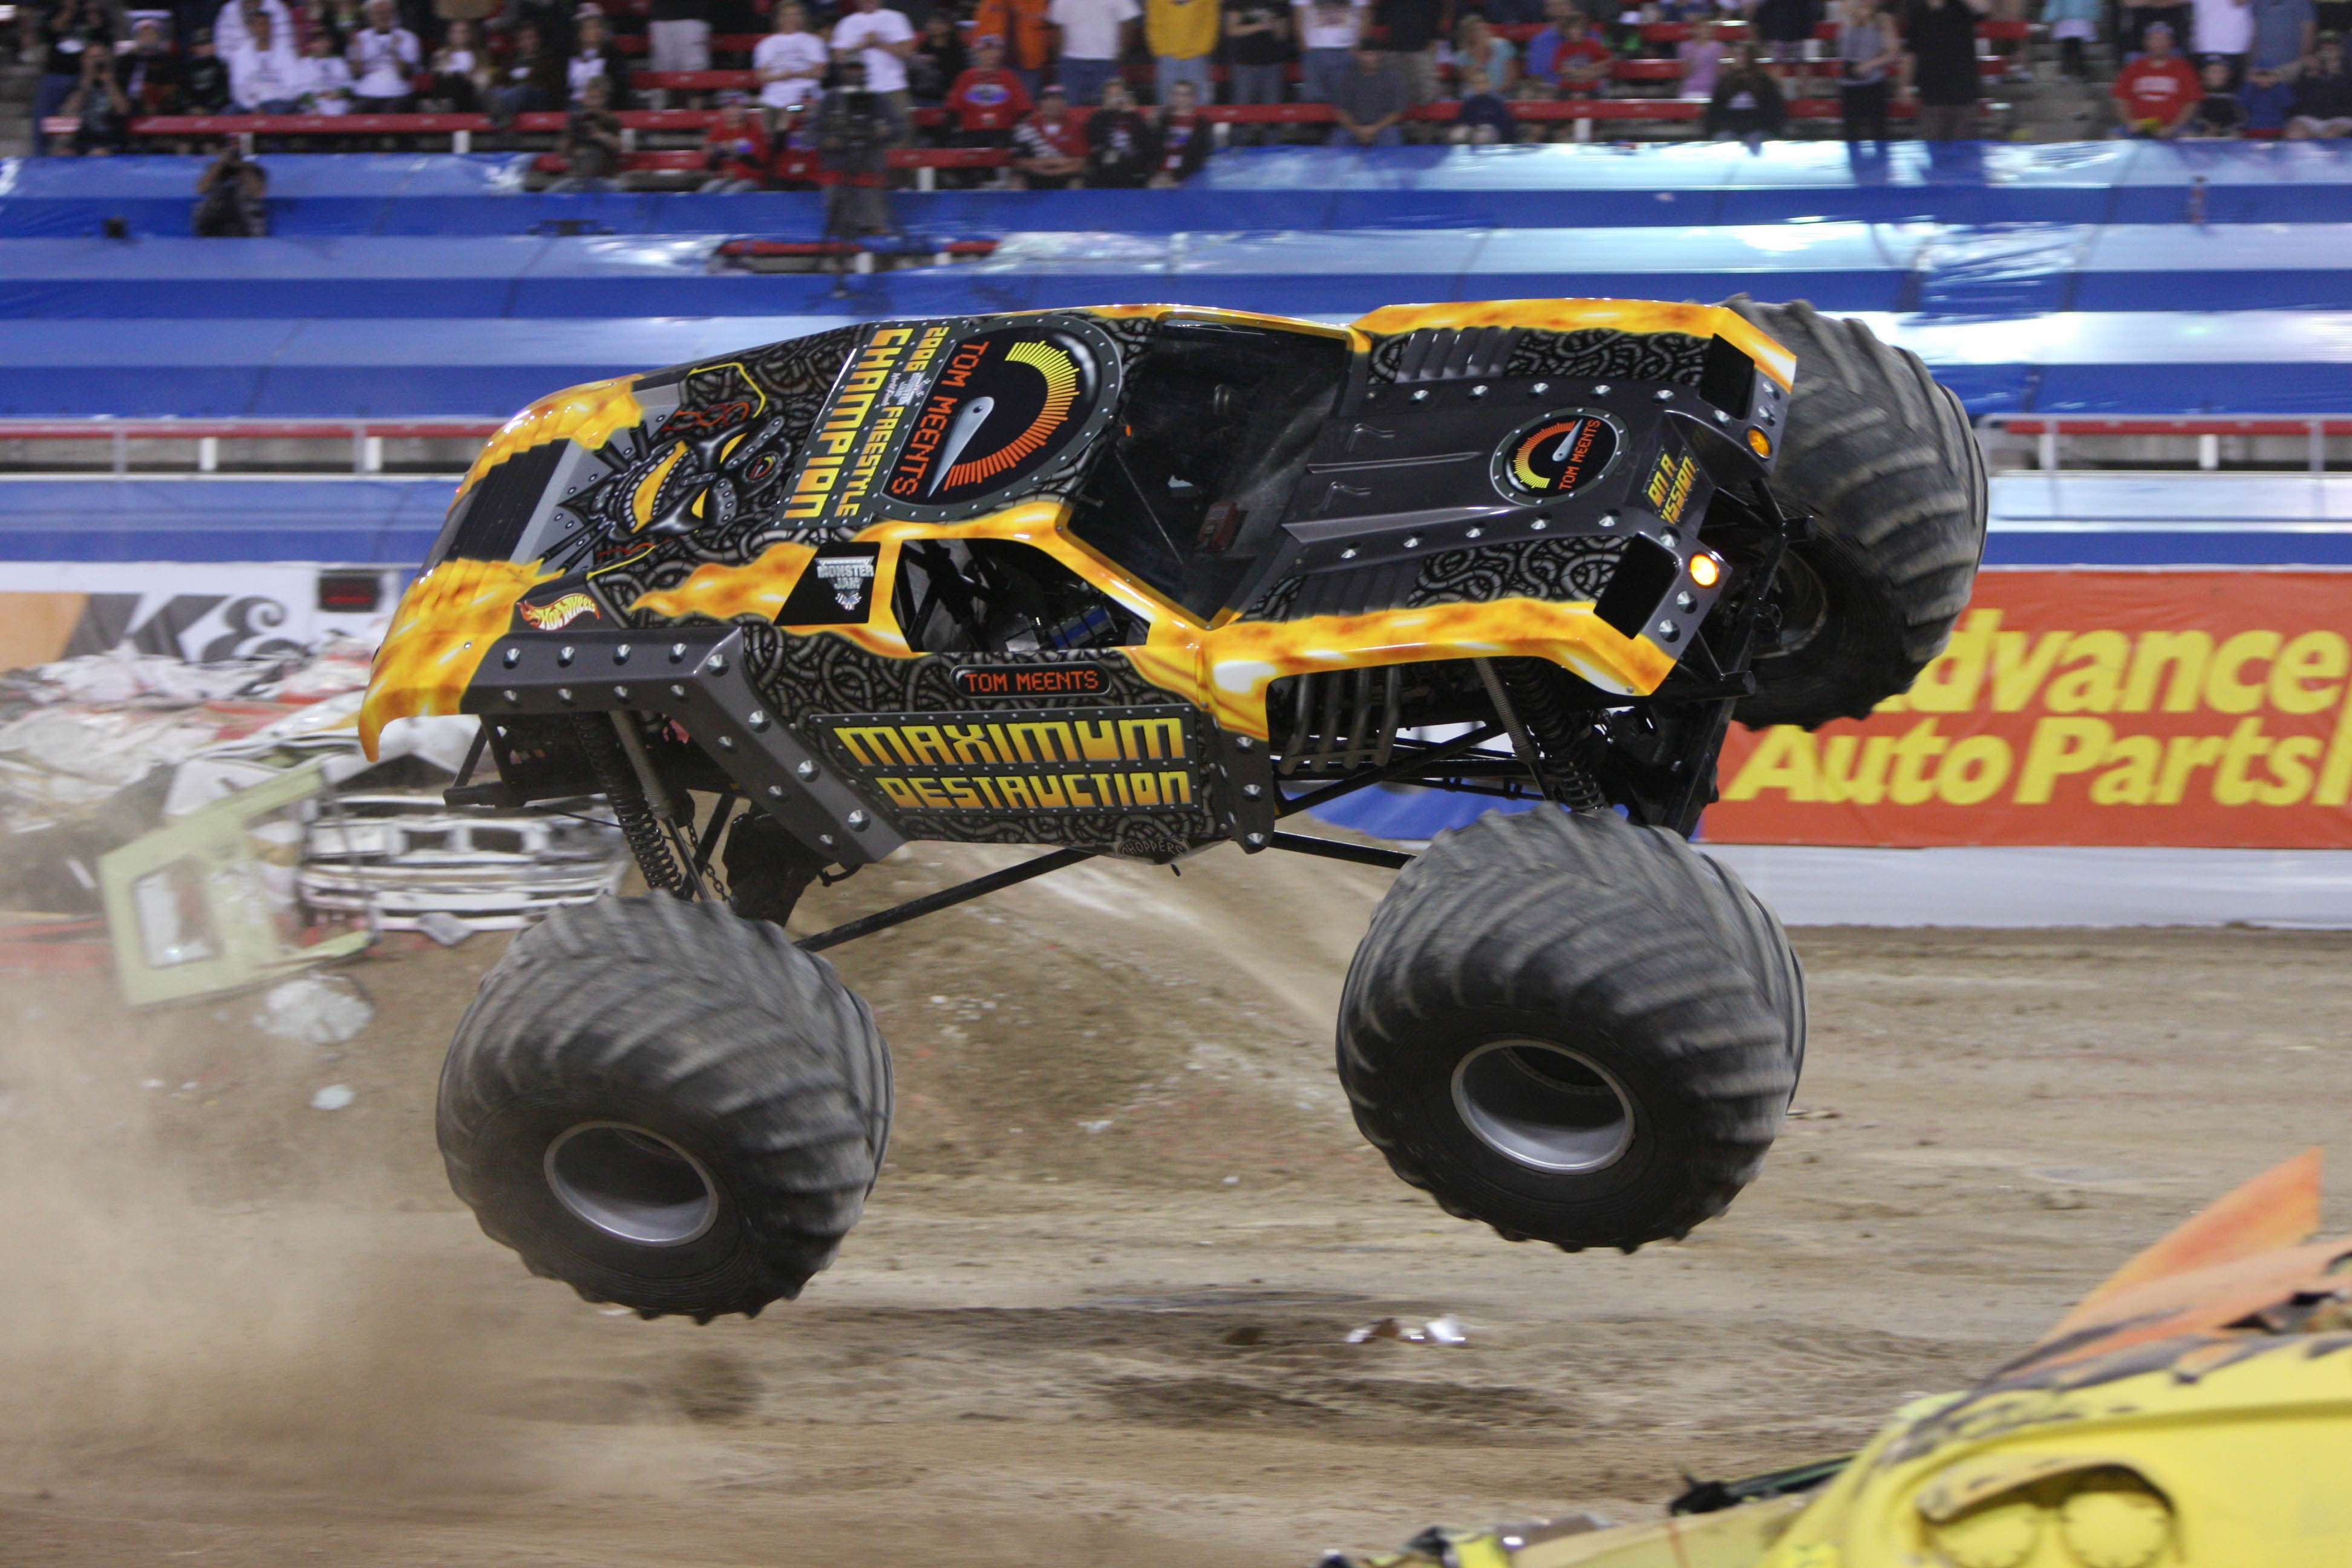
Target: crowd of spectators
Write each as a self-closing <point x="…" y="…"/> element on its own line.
<point x="1050" y="81"/>
<point x="2255" y="68"/>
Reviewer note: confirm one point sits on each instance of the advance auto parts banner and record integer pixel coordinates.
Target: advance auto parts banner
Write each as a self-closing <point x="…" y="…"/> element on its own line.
<point x="2188" y="709"/>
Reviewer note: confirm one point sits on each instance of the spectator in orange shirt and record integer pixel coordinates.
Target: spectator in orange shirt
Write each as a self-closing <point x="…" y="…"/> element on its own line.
<point x="2156" y="91"/>
<point x="1022" y="24"/>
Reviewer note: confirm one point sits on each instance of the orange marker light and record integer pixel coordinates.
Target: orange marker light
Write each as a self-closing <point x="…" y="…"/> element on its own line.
<point x="1705" y="571"/>
<point x="1760" y="443"/>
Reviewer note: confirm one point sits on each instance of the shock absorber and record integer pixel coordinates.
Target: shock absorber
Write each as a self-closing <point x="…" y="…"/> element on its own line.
<point x="601" y="740"/>
<point x="1534" y="689"/>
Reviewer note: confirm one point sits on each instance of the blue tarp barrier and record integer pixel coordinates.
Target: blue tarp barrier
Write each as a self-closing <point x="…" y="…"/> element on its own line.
<point x="356" y="522"/>
<point x="1846" y="267"/>
<point x="1553" y="187"/>
<point x="1929" y="271"/>
<point x="1404" y="811"/>
<point x="2251" y="361"/>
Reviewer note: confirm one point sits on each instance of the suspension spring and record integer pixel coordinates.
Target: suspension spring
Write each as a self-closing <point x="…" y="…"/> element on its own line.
<point x="647" y="841"/>
<point x="1533" y="687"/>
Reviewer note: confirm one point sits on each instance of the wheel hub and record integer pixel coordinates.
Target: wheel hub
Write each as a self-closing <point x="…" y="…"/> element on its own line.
<point x="631" y="1183"/>
<point x="1543" y="1106"/>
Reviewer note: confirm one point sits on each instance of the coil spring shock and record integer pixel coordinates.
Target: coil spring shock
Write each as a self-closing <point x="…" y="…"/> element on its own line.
<point x="647" y="841"/>
<point x="1533" y="687"/>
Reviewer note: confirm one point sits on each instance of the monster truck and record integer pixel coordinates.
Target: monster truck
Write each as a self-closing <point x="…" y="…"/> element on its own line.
<point x="1140" y="580"/>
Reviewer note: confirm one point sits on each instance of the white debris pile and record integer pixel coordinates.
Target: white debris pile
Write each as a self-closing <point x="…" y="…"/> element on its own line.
<point x="103" y="753"/>
<point x="75" y="732"/>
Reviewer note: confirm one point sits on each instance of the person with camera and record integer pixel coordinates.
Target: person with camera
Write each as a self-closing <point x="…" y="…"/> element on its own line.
<point x="68" y="31"/>
<point x="855" y="128"/>
<point x="735" y="149"/>
<point x="592" y="142"/>
<point x="231" y="197"/>
<point x="97" y="105"/>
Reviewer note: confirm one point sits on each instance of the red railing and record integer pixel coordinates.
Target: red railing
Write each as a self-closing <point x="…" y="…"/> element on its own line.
<point x="460" y="128"/>
<point x="2049" y="430"/>
<point x="367" y="437"/>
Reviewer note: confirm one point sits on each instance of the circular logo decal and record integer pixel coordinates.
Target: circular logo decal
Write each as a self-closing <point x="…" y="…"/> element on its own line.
<point x="1557" y="456"/>
<point x="1004" y="405"/>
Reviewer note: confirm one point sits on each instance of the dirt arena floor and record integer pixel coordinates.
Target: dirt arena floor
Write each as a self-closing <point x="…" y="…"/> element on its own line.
<point x="1098" y="1312"/>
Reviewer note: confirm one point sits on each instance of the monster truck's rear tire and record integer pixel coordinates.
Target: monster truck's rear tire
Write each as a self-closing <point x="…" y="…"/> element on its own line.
<point x="1576" y="1030"/>
<point x="1885" y="461"/>
<point x="667" y="1106"/>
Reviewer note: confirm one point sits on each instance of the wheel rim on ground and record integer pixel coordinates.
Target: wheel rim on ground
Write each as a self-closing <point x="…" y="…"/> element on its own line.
<point x="631" y="1183"/>
<point x="1543" y="1106"/>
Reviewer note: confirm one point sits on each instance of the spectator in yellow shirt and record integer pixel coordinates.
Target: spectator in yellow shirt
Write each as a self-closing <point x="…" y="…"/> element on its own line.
<point x="1183" y="36"/>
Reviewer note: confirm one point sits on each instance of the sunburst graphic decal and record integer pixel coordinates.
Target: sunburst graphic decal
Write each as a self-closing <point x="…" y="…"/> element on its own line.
<point x="1525" y="472"/>
<point x="1061" y="373"/>
<point x="1558" y="455"/>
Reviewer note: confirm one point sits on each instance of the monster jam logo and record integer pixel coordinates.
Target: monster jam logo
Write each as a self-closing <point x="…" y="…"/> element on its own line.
<point x="837" y="589"/>
<point x="1004" y="405"/>
<point x="1558" y="456"/>
<point x="557" y="614"/>
<point x="1103" y="759"/>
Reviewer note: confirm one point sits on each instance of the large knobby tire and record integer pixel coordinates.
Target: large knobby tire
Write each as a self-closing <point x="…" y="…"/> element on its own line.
<point x="1884" y="460"/>
<point x="664" y="1105"/>
<point x="1576" y="1030"/>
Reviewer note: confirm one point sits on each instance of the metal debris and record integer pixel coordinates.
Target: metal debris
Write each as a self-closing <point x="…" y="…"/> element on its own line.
<point x="1446" y="1330"/>
<point x="402" y="857"/>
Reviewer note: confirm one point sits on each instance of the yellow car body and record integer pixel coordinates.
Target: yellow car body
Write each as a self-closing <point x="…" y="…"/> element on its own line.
<point x="2193" y="1412"/>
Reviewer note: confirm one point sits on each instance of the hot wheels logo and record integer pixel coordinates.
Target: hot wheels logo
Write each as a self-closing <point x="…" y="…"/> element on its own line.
<point x="557" y="614"/>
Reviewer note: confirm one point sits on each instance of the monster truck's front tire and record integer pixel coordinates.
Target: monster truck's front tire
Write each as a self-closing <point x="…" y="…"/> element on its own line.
<point x="1576" y="1030"/>
<point x="1885" y="461"/>
<point x="666" y="1106"/>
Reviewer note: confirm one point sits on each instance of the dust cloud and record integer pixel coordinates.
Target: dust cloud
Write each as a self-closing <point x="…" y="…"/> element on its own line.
<point x="1100" y="1306"/>
<point x="278" y="1339"/>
